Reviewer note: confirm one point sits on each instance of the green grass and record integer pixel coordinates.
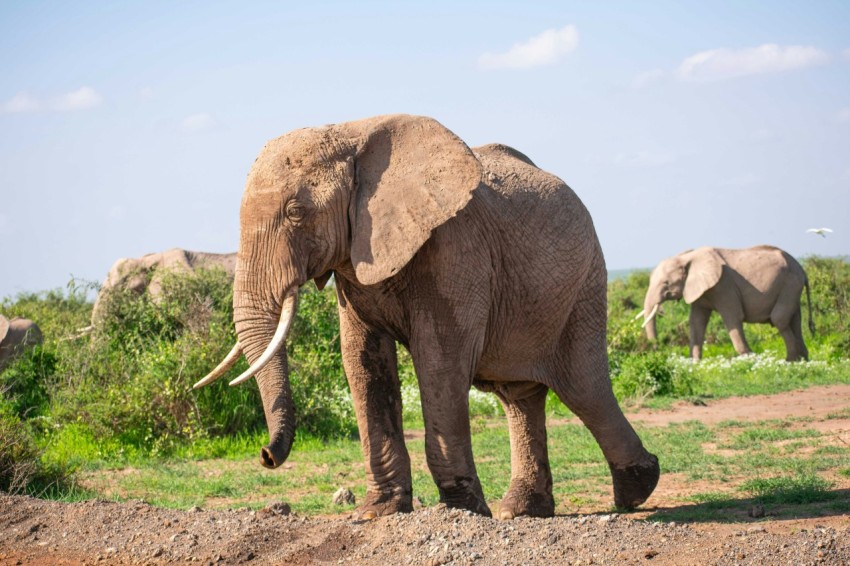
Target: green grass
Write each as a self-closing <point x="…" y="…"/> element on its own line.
<point x="786" y="483"/>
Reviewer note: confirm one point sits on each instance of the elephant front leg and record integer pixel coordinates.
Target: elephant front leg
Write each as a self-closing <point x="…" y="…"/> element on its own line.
<point x="530" y="492"/>
<point x="369" y="358"/>
<point x="734" y="322"/>
<point x="698" y="321"/>
<point x="444" y="389"/>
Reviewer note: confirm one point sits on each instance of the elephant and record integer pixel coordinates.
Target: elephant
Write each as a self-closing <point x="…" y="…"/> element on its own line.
<point x="143" y="273"/>
<point x="759" y="284"/>
<point x="485" y="268"/>
<point x="16" y="335"/>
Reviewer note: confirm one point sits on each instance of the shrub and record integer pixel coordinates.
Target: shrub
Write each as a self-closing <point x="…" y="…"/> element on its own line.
<point x="21" y="467"/>
<point x="644" y="375"/>
<point x="18" y="455"/>
<point x="25" y="382"/>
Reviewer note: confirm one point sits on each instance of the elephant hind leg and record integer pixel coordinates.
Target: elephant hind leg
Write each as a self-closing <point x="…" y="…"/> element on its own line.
<point x="530" y="492"/>
<point x="791" y="330"/>
<point x="585" y="388"/>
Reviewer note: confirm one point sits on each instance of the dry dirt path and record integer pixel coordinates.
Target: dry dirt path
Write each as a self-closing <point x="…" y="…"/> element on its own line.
<point x="34" y="531"/>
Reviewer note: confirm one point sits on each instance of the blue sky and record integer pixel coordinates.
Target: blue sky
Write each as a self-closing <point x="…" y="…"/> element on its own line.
<point x="129" y="127"/>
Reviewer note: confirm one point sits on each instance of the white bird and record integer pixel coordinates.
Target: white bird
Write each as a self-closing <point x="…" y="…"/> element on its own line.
<point x="819" y="231"/>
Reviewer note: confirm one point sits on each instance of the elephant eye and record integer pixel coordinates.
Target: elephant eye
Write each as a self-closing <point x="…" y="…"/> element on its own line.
<point x="295" y="212"/>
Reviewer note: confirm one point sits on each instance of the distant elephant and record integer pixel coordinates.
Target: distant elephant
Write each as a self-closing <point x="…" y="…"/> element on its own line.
<point x="136" y="274"/>
<point x="759" y="284"/>
<point x="486" y="268"/>
<point x="16" y="335"/>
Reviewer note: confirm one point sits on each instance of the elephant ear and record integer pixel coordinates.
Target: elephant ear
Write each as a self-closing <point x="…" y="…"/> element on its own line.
<point x="4" y="327"/>
<point x="704" y="271"/>
<point x="411" y="176"/>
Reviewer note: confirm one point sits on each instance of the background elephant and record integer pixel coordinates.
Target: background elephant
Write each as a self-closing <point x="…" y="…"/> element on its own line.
<point x="759" y="284"/>
<point x="145" y="272"/>
<point x="461" y="256"/>
<point x="15" y="335"/>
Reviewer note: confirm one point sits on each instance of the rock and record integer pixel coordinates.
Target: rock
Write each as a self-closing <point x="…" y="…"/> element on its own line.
<point x="280" y="508"/>
<point x="756" y="511"/>
<point x="343" y="496"/>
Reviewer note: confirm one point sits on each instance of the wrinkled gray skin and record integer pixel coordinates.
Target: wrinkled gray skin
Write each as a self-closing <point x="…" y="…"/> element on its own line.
<point x="760" y="284"/>
<point x="134" y="274"/>
<point x="16" y="335"/>
<point x="486" y="268"/>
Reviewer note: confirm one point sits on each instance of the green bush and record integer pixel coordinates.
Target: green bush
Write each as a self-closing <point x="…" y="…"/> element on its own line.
<point x="18" y="454"/>
<point x="643" y="375"/>
<point x="26" y="381"/>
<point x="829" y="279"/>
<point x="21" y="467"/>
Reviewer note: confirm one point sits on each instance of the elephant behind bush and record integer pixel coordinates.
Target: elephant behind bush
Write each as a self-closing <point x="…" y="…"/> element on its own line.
<point x="137" y="275"/>
<point x="16" y="335"/>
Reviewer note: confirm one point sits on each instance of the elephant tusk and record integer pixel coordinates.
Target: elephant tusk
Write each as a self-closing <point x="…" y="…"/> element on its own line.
<point x="287" y="315"/>
<point x="229" y="360"/>
<point x="640" y="314"/>
<point x="650" y="316"/>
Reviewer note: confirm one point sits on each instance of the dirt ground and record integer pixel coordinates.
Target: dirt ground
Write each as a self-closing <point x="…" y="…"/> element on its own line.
<point x="35" y="531"/>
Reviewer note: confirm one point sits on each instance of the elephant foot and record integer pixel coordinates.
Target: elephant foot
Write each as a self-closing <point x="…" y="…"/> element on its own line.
<point x="634" y="484"/>
<point x="521" y="500"/>
<point x="379" y="504"/>
<point x="465" y="494"/>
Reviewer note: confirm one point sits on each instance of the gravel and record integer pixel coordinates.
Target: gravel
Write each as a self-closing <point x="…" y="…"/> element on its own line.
<point x="34" y="531"/>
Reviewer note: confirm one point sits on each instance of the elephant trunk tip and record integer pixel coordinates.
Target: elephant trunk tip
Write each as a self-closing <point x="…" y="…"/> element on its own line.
<point x="273" y="456"/>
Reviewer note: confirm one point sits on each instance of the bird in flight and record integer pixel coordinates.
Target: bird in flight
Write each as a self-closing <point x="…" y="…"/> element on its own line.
<point x="820" y="231"/>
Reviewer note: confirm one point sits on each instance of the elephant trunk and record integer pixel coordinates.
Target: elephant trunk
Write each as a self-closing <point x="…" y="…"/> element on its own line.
<point x="256" y="328"/>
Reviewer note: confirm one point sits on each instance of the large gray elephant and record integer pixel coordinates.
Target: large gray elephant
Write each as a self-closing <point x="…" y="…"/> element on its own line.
<point x="486" y="268"/>
<point x="145" y="273"/>
<point x="16" y="335"/>
<point x="759" y="284"/>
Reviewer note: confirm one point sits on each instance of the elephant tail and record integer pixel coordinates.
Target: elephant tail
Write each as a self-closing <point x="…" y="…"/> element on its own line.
<point x="809" y="303"/>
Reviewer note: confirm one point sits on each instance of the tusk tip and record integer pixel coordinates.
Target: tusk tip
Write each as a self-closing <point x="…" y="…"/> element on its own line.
<point x="240" y="379"/>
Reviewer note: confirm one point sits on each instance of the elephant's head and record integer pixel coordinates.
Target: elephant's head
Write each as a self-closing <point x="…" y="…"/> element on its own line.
<point x="361" y="197"/>
<point x="128" y="274"/>
<point x="688" y="275"/>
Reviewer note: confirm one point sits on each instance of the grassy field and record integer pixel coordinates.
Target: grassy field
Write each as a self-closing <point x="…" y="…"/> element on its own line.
<point x="797" y="466"/>
<point x="112" y="413"/>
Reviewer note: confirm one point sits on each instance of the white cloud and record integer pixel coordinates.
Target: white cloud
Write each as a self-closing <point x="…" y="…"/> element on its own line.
<point x="544" y="48"/>
<point x="643" y="159"/>
<point x="843" y="115"/>
<point x="720" y="64"/>
<point x="83" y="98"/>
<point x="21" y="102"/>
<point x="646" y="78"/>
<point x="197" y="122"/>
